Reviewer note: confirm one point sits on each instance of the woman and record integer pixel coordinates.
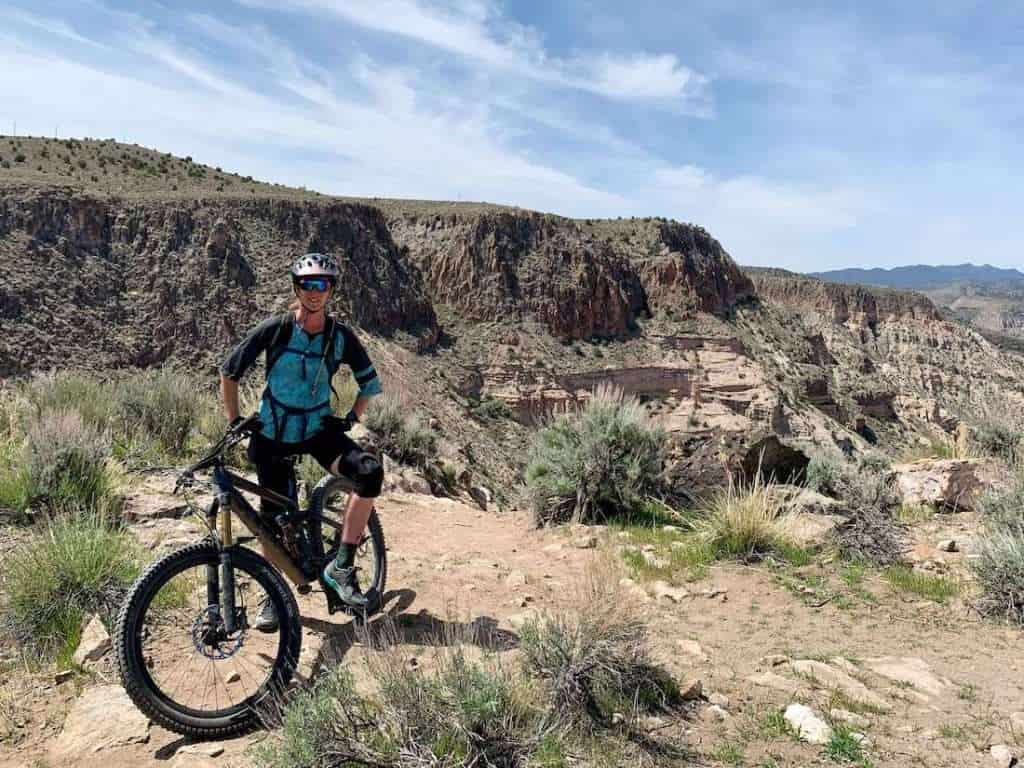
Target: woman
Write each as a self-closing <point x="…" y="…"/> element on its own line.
<point x="304" y="348"/>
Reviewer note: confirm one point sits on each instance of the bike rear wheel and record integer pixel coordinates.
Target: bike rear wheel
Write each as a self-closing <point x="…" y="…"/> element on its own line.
<point x="330" y="498"/>
<point x="177" y="661"/>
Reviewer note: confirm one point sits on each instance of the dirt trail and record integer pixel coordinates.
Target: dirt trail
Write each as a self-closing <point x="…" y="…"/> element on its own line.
<point x="450" y="564"/>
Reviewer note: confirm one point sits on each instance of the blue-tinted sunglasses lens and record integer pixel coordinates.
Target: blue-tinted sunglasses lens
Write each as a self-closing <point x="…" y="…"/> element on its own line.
<point x="314" y="284"/>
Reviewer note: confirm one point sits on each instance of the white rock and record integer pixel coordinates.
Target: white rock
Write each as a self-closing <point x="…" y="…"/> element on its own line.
<point x="516" y="579"/>
<point x="911" y="670"/>
<point x="102" y="718"/>
<point x="948" y="545"/>
<point x="716" y="713"/>
<point x="202" y="749"/>
<point x="586" y="541"/>
<point x="777" y="682"/>
<point x="1017" y="722"/>
<point x="720" y="699"/>
<point x="1002" y="756"/>
<point x="94" y="643"/>
<point x="807" y="725"/>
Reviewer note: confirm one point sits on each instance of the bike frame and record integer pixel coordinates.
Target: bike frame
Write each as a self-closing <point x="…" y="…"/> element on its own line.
<point x="220" y="582"/>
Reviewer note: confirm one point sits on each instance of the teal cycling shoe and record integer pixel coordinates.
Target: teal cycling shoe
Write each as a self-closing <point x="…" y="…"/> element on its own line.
<point x="343" y="581"/>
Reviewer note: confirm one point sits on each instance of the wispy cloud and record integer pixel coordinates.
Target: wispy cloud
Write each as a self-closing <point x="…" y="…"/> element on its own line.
<point x="478" y="31"/>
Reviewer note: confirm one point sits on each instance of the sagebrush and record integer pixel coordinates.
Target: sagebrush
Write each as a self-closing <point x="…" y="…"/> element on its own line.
<point x="602" y="461"/>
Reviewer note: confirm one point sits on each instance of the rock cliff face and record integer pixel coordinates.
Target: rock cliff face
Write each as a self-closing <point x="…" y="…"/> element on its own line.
<point x="692" y="271"/>
<point x="854" y="304"/>
<point x="523" y="264"/>
<point x="578" y="279"/>
<point x="100" y="282"/>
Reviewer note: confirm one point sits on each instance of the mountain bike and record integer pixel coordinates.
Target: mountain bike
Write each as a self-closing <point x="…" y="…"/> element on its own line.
<point x="187" y="651"/>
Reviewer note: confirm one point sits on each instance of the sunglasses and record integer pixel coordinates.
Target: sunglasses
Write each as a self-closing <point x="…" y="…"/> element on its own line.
<point x="319" y="284"/>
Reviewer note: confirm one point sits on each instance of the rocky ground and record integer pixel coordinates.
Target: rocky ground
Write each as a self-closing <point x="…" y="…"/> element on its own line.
<point x="925" y="683"/>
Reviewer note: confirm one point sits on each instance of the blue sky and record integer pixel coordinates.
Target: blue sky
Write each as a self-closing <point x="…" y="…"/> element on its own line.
<point x="812" y="138"/>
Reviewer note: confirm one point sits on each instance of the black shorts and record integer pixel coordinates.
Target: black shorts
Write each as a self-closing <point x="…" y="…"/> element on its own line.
<point x="325" y="446"/>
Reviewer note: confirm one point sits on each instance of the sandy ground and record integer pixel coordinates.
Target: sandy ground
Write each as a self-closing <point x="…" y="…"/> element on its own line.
<point x="449" y="568"/>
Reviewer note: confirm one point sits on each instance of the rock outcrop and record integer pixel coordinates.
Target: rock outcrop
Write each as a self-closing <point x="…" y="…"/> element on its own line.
<point x="855" y="304"/>
<point x="152" y="281"/>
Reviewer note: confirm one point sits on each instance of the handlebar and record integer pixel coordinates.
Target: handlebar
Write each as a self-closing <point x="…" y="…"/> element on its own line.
<point x="232" y="436"/>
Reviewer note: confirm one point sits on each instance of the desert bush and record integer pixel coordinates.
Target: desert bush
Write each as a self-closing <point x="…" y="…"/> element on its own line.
<point x="600" y="462"/>
<point x="158" y="410"/>
<point x="867" y="488"/>
<point x="595" y="659"/>
<point x="76" y="565"/>
<point x="999" y="570"/>
<point x="461" y="712"/>
<point x="65" y="465"/>
<point x="997" y="439"/>
<point x="405" y="438"/>
<point x="492" y="409"/>
<point x="1003" y="507"/>
<point x="93" y="400"/>
<point x="824" y="472"/>
<point x="745" y="521"/>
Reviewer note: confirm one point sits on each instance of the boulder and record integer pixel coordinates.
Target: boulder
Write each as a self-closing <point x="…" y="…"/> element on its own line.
<point x="951" y="484"/>
<point x="834" y="679"/>
<point x="94" y="644"/>
<point x="102" y="719"/>
<point x="911" y="670"/>
<point x="1002" y="756"/>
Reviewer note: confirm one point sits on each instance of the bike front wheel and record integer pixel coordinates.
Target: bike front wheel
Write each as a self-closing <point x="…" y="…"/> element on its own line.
<point x="178" y="662"/>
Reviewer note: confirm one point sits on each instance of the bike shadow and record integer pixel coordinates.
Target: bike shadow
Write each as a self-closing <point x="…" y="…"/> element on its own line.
<point x="395" y="624"/>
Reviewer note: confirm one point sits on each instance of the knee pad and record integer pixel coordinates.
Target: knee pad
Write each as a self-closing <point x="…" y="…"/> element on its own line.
<point x="370" y="476"/>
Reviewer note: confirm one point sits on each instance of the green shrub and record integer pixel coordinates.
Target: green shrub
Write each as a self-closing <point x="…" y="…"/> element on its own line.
<point x="871" y="503"/>
<point x="824" y="472"/>
<point x="74" y="566"/>
<point x="1005" y="506"/>
<point x="600" y="462"/>
<point x="66" y="465"/>
<point x="997" y="439"/>
<point x="94" y="401"/>
<point x="158" y="411"/>
<point x="462" y="712"/>
<point x="492" y="409"/>
<point x="999" y="569"/>
<point x="405" y="438"/>
<point x="935" y="588"/>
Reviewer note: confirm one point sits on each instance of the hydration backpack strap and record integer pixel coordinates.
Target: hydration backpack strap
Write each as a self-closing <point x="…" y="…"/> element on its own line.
<point x="282" y="336"/>
<point x="282" y="412"/>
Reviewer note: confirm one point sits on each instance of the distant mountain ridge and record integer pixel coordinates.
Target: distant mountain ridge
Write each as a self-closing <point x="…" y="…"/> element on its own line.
<point x="923" y="277"/>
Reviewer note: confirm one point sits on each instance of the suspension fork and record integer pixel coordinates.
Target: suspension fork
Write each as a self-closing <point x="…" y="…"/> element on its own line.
<point x="212" y="575"/>
<point x="227" y="573"/>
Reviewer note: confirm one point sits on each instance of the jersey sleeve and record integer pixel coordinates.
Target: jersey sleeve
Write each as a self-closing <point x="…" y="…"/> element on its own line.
<point x="355" y="357"/>
<point x="248" y="349"/>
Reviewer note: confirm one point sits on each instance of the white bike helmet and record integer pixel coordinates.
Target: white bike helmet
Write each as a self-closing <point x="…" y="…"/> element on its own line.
<point x="315" y="265"/>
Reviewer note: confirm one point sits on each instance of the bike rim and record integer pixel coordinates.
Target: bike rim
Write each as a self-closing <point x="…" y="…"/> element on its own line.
<point x="186" y="657"/>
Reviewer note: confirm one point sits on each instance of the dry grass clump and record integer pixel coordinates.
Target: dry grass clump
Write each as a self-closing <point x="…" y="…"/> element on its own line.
<point x="746" y="521"/>
<point x="603" y="461"/>
<point x="595" y="660"/>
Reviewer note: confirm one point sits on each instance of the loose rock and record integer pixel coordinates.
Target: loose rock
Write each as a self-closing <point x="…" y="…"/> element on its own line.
<point x="720" y="699"/>
<point x="807" y="725"/>
<point x="850" y="718"/>
<point x="587" y="541"/>
<point x="1002" y="756"/>
<point x="691" y="690"/>
<point x="662" y="589"/>
<point x="948" y="545"/>
<point x="94" y="644"/>
<point x="102" y="718"/>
